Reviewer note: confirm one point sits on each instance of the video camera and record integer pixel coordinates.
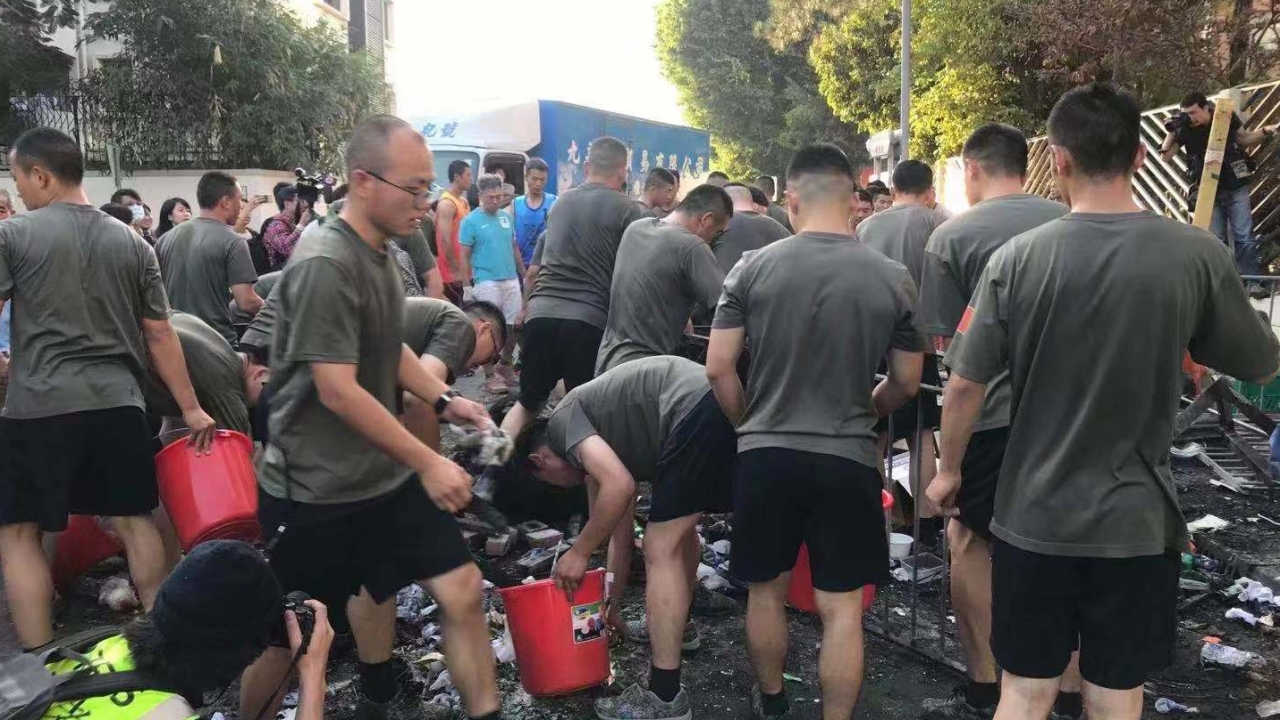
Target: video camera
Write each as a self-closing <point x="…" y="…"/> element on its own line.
<point x="311" y="187"/>
<point x="1177" y="121"/>
<point x="295" y="601"/>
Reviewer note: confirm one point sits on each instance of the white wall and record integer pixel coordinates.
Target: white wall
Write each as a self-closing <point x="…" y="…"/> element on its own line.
<point x="156" y="186"/>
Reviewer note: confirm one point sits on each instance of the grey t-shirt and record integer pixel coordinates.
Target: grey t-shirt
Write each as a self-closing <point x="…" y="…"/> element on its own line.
<point x="439" y="329"/>
<point x="81" y="283"/>
<point x="340" y="302"/>
<point x="633" y="408"/>
<point x="663" y="272"/>
<point x="584" y="229"/>
<point x="1091" y="315"/>
<point x="216" y="374"/>
<point x="746" y="231"/>
<point x="954" y="259"/>
<point x="781" y="216"/>
<point x="821" y="312"/>
<point x="200" y="260"/>
<point x="901" y="233"/>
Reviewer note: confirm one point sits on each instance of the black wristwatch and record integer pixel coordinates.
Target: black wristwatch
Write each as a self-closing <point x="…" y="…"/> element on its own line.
<point x="443" y="401"/>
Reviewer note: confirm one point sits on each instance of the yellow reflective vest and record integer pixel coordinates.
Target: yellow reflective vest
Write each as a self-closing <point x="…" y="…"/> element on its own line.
<point x="113" y="655"/>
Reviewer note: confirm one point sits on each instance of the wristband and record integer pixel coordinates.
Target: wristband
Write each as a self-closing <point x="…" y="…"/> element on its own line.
<point x="442" y="402"/>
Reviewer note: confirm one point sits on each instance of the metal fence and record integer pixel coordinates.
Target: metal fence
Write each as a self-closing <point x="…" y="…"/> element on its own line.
<point x="1161" y="186"/>
<point x="143" y="143"/>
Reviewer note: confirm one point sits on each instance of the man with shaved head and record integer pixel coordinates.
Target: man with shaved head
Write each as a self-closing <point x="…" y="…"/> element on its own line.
<point x="777" y="212"/>
<point x="806" y="467"/>
<point x="355" y="505"/>
<point x="748" y="230"/>
<point x="569" y="306"/>
<point x="659" y="192"/>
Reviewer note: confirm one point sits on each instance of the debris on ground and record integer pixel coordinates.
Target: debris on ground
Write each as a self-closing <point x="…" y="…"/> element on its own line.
<point x="1165" y="706"/>
<point x="117" y="593"/>
<point x="1215" y="653"/>
<point x="1269" y="708"/>
<point x="1208" y="523"/>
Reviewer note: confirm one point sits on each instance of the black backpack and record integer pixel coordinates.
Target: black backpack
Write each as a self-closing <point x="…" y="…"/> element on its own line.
<point x="86" y="684"/>
<point x="258" y="250"/>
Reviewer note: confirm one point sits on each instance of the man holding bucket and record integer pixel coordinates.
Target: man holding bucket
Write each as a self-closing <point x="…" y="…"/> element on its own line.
<point x="353" y="506"/>
<point x="89" y="311"/>
<point x="654" y="420"/>
<point x="806" y="467"/>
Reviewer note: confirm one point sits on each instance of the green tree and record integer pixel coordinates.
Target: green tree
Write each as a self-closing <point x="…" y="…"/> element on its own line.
<point x="234" y="82"/>
<point x="975" y="61"/>
<point x="759" y="103"/>
<point x="29" y="61"/>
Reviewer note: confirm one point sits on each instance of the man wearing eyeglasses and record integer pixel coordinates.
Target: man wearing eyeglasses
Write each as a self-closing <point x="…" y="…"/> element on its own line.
<point x="665" y="269"/>
<point x="353" y="504"/>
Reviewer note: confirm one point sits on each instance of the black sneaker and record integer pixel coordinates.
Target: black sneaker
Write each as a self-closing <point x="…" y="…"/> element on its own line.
<point x="403" y="706"/>
<point x="956" y="707"/>
<point x="757" y="706"/>
<point x="711" y="604"/>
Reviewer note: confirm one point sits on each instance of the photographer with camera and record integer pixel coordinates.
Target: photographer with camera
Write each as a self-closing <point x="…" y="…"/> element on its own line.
<point x="1189" y="130"/>
<point x="280" y="233"/>
<point x="218" y="611"/>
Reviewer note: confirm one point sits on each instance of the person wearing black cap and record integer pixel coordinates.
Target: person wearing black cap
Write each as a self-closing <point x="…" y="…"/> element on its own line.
<point x="212" y="617"/>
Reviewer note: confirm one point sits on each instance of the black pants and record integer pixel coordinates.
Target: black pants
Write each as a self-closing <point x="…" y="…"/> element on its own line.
<point x="555" y="350"/>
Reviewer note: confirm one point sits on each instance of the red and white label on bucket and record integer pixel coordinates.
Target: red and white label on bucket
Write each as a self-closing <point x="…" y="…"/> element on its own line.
<point x="588" y="622"/>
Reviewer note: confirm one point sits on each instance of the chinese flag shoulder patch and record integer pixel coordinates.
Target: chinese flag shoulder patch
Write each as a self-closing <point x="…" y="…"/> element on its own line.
<point x="965" y="320"/>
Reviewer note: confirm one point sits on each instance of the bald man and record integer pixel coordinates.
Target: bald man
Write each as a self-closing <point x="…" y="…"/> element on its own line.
<point x="355" y="505"/>
<point x="748" y="230"/>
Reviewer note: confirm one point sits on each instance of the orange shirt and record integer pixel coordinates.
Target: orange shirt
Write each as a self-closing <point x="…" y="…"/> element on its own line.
<point x="455" y="249"/>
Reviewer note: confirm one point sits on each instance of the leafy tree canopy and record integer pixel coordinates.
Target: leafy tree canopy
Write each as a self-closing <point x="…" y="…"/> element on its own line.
<point x="241" y="83"/>
<point x="759" y="102"/>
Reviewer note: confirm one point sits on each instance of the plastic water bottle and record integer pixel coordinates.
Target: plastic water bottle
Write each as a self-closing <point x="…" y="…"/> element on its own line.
<point x="1225" y="655"/>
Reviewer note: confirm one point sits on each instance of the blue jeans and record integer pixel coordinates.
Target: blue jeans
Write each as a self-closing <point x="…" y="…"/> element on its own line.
<point x="1233" y="211"/>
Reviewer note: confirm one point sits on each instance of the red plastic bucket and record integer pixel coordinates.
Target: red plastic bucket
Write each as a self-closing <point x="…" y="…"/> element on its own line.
<point x="800" y="593"/>
<point x="81" y="546"/>
<point x="210" y="497"/>
<point x="560" y="647"/>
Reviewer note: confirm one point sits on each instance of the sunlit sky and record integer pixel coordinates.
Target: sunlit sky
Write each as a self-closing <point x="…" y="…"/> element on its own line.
<point x="463" y="55"/>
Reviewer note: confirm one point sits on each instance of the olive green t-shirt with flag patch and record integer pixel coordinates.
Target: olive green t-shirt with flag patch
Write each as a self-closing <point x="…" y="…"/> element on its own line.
<point x="954" y="259"/>
<point x="1091" y="314"/>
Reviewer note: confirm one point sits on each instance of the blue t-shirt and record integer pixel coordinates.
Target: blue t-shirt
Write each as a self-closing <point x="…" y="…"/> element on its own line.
<point x="531" y="223"/>
<point x="489" y="237"/>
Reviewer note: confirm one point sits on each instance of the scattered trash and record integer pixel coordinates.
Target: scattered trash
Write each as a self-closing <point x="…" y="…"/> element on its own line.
<point x="442" y="681"/>
<point x="1208" y="523"/>
<point x="792" y="678"/>
<point x="1192" y="585"/>
<point x="1215" y="653"/>
<point x="1246" y="590"/>
<point x="711" y="579"/>
<point x="930" y="567"/>
<point x="1186" y="452"/>
<point x="1164" y="706"/>
<point x="1245" y="615"/>
<point x="1265" y="519"/>
<point x="117" y="594"/>
<point x="1200" y="562"/>
<point x="900" y="612"/>
<point x="290" y="700"/>
<point x="721" y="547"/>
<point x="504" y="650"/>
<point x="410" y="601"/>
<point x="1270" y="708"/>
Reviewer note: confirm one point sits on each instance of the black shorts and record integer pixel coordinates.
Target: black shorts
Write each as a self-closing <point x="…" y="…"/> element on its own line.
<point x="695" y="472"/>
<point x="1122" y="611"/>
<point x="382" y="545"/>
<point x="785" y="497"/>
<point x="556" y="350"/>
<point x="96" y="462"/>
<point x="925" y="403"/>
<point x="979" y="474"/>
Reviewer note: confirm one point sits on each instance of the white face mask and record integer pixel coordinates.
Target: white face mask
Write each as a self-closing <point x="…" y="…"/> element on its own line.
<point x="138" y="211"/>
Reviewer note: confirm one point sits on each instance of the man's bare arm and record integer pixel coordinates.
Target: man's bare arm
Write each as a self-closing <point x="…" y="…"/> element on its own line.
<point x="433" y="283"/>
<point x="901" y="382"/>
<point x="415" y="378"/>
<point x="246" y="298"/>
<point x="961" y="405"/>
<point x="722" y="371"/>
<point x="446" y="214"/>
<point x="465" y="266"/>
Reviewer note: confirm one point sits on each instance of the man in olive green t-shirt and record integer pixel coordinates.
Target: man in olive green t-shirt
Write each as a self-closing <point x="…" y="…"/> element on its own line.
<point x="1088" y="530"/>
<point x="356" y="506"/>
<point x="204" y="263"/>
<point x="995" y="164"/>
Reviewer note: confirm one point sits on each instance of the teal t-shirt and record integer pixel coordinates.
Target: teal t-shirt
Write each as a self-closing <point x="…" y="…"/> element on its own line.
<point x="489" y="237"/>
